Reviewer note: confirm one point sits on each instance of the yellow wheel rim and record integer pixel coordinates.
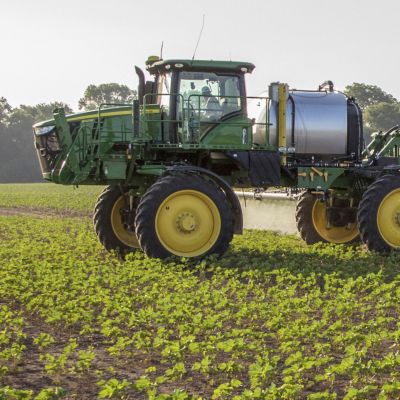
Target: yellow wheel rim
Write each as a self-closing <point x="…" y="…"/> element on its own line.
<point x="127" y="238"/>
<point x="333" y="234"/>
<point x="388" y="218"/>
<point x="188" y="223"/>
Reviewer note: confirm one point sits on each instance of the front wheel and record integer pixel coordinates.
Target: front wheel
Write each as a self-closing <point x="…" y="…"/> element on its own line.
<point x="113" y="219"/>
<point x="379" y="214"/>
<point x="185" y="216"/>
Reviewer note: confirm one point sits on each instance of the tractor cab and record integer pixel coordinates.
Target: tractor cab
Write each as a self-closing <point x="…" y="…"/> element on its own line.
<point x="197" y="102"/>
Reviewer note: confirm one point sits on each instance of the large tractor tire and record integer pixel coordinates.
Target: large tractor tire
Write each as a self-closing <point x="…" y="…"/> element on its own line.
<point x="313" y="226"/>
<point x="379" y="214"/>
<point x="185" y="216"/>
<point x="114" y="221"/>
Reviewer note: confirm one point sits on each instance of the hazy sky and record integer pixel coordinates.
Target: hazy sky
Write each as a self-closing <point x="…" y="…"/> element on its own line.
<point x="52" y="50"/>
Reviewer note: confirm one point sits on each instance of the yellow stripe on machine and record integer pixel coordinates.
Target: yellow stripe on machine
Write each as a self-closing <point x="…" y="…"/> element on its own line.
<point x="110" y="114"/>
<point x="282" y="92"/>
<point x="102" y="114"/>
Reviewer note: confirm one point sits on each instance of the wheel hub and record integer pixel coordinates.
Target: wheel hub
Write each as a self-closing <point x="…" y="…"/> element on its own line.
<point x="186" y="222"/>
<point x="397" y="219"/>
<point x="334" y="224"/>
<point x="122" y="223"/>
<point x="340" y="217"/>
<point x="128" y="219"/>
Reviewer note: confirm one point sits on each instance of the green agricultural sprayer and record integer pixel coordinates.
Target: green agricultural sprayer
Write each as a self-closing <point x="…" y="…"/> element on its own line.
<point x="172" y="158"/>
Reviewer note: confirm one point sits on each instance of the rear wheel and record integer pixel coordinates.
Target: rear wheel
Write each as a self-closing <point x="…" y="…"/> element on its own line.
<point x="113" y="219"/>
<point x="318" y="223"/>
<point x="185" y="216"/>
<point x="379" y="214"/>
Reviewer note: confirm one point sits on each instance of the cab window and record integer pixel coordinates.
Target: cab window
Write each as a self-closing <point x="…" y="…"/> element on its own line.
<point x="164" y="91"/>
<point x="208" y="95"/>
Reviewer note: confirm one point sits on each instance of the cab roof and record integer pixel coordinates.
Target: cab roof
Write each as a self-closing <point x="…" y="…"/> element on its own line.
<point x="155" y="65"/>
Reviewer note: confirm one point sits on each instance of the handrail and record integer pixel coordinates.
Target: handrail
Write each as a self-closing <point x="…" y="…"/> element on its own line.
<point x="96" y="140"/>
<point x="188" y="121"/>
<point x="186" y="135"/>
<point x="145" y="104"/>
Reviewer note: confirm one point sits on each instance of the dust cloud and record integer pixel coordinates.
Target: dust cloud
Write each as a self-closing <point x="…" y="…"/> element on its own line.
<point x="269" y="214"/>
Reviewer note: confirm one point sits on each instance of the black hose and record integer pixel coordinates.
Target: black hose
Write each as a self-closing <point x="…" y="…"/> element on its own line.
<point x="325" y="84"/>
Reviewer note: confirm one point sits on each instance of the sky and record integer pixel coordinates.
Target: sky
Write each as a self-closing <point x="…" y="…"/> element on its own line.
<point x="52" y="50"/>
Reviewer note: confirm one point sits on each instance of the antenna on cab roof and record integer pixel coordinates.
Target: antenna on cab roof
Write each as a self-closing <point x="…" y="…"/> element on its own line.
<point x="198" y="40"/>
<point x="162" y="46"/>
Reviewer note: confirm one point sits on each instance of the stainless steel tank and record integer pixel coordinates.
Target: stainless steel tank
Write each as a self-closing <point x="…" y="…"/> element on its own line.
<point x="320" y="122"/>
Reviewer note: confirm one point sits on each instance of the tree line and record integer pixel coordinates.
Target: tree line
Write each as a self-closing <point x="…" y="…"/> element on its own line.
<point x="381" y="110"/>
<point x="18" y="159"/>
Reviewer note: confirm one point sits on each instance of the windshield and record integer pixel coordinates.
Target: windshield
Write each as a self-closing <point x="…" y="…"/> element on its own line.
<point x="211" y="95"/>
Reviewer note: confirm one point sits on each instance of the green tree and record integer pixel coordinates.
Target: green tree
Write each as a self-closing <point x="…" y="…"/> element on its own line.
<point x="368" y="95"/>
<point x="105" y="93"/>
<point x="5" y="110"/>
<point x="382" y="116"/>
<point x="43" y="111"/>
<point x="25" y="116"/>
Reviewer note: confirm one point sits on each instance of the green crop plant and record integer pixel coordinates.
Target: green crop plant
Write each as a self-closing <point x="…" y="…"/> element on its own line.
<point x="54" y="393"/>
<point x="113" y="389"/>
<point x="84" y="361"/>
<point x="12" y="337"/>
<point x="8" y="393"/>
<point x="43" y="340"/>
<point x="56" y="365"/>
<point x="51" y="394"/>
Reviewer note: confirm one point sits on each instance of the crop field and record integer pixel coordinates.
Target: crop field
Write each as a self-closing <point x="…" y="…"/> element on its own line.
<point x="47" y="196"/>
<point x="272" y="319"/>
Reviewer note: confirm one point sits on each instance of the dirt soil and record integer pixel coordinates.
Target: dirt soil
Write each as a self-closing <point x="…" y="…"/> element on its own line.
<point x="43" y="212"/>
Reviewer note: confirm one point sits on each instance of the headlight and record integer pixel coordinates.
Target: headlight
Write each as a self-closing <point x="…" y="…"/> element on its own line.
<point x="44" y="130"/>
